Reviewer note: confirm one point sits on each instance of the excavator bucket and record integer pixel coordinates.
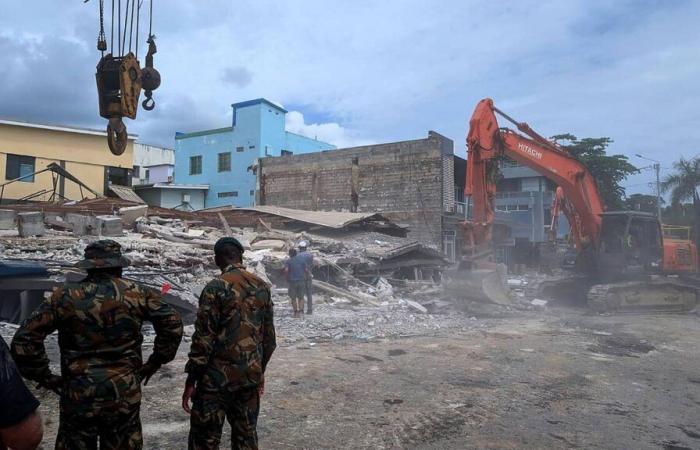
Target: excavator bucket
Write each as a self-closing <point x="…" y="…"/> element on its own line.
<point x="484" y="284"/>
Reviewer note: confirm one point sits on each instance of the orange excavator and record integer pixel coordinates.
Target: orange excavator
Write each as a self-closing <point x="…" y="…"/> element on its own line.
<point x="626" y="262"/>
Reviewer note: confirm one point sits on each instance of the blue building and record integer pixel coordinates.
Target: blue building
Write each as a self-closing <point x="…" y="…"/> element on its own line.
<point x="221" y="157"/>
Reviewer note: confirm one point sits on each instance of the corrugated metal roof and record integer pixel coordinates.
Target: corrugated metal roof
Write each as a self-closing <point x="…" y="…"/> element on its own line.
<point x="171" y="186"/>
<point x="125" y="193"/>
<point x="331" y="219"/>
<point x="58" y="127"/>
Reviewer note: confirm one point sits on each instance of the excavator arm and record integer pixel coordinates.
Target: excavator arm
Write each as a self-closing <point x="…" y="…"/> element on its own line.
<point x="486" y="141"/>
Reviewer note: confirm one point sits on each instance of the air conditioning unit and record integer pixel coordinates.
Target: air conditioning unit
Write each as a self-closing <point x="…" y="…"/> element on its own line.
<point x="185" y="198"/>
<point x="170" y="179"/>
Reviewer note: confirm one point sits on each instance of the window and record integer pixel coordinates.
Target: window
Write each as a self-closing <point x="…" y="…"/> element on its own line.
<point x="251" y="146"/>
<point x="252" y="192"/>
<point x="227" y="194"/>
<point x="225" y="162"/>
<point x="18" y="166"/>
<point x="117" y="175"/>
<point x="286" y="152"/>
<point x="240" y="149"/>
<point x="148" y="174"/>
<point x="196" y="165"/>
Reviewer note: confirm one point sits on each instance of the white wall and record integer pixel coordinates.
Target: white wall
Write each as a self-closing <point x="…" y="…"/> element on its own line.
<point x="150" y="155"/>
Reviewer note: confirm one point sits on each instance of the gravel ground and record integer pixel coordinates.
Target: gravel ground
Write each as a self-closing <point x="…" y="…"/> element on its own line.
<point x="558" y="378"/>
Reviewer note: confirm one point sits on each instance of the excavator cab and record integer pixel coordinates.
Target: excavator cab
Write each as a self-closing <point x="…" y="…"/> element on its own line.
<point x="631" y="244"/>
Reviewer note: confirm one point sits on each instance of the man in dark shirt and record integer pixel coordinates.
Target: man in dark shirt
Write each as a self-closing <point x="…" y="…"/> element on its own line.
<point x="308" y="260"/>
<point x="295" y="268"/>
<point x="20" y="422"/>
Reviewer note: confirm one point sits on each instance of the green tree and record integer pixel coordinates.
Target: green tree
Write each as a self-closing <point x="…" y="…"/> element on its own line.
<point x="608" y="170"/>
<point x="683" y="182"/>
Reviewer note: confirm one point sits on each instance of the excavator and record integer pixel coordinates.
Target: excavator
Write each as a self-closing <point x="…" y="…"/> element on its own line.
<point x="625" y="262"/>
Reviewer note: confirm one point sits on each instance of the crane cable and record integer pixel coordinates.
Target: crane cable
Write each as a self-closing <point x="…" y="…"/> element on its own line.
<point x="119" y="26"/>
<point x="101" y="38"/>
<point x="138" y="19"/>
<point x="126" y="23"/>
<point x="111" y="46"/>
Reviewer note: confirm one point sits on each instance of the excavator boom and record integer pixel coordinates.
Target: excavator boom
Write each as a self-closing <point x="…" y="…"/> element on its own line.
<point x="487" y="142"/>
<point x="618" y="249"/>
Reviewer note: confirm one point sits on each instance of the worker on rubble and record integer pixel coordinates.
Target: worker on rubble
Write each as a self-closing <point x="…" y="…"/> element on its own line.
<point x="308" y="260"/>
<point x="232" y="344"/>
<point x="99" y="323"/>
<point x="295" y="270"/>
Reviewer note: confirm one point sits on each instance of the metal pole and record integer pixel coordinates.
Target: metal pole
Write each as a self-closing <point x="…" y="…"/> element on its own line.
<point x="657" y="167"/>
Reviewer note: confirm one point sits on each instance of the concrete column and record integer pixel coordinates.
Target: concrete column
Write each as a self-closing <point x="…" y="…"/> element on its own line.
<point x="109" y="226"/>
<point x="30" y="224"/>
<point x="8" y="219"/>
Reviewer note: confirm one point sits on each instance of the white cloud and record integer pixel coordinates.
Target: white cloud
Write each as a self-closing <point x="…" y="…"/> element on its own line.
<point x="389" y="70"/>
<point x="330" y="132"/>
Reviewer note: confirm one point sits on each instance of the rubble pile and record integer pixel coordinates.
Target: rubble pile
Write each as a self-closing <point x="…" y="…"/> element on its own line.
<point x="366" y="282"/>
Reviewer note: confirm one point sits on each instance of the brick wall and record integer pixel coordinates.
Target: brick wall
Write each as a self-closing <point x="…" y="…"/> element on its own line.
<point x="401" y="179"/>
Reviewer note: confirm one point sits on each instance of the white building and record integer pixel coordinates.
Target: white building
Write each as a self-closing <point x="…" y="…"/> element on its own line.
<point x="148" y="158"/>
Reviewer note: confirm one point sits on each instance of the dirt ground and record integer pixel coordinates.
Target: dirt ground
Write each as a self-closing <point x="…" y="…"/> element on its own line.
<point x="552" y="379"/>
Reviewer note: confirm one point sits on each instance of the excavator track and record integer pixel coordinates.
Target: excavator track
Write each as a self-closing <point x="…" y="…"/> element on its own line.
<point x="660" y="295"/>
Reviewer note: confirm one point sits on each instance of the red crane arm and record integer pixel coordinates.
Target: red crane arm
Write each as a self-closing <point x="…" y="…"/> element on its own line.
<point x="486" y="141"/>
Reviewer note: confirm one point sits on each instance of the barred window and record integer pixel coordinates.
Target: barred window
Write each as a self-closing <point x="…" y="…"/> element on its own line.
<point x="224" y="162"/>
<point x="196" y="165"/>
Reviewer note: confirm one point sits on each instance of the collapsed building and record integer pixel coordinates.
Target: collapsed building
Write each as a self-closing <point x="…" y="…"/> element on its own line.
<point x="363" y="258"/>
<point x="411" y="182"/>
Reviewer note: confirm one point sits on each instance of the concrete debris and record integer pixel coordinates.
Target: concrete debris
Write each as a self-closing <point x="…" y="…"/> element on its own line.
<point x="539" y="302"/>
<point x="30" y="224"/>
<point x="416" y="306"/>
<point x="130" y="214"/>
<point x="352" y="268"/>
<point x="109" y="226"/>
<point x="8" y="219"/>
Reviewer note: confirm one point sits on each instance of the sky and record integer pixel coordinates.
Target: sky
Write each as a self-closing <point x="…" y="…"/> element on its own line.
<point x="361" y="72"/>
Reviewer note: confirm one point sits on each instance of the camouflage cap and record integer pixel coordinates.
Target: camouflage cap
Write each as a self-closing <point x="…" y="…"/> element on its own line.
<point x="103" y="254"/>
<point x="224" y="241"/>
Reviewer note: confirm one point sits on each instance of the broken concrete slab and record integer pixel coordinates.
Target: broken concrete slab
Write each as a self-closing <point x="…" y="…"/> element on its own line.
<point x="273" y="244"/>
<point x="8" y="219"/>
<point x="109" y="226"/>
<point x="82" y="225"/>
<point x="416" y="306"/>
<point x="31" y="224"/>
<point x="129" y="214"/>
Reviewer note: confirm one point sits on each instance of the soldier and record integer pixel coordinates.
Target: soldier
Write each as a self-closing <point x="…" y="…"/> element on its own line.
<point x="99" y="336"/>
<point x="233" y="341"/>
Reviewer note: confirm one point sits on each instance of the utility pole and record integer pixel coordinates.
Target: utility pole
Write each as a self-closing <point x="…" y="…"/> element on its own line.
<point x="657" y="168"/>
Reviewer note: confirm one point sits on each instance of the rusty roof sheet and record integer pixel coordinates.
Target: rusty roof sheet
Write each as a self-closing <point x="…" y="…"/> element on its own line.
<point x="125" y="193"/>
<point x="330" y="219"/>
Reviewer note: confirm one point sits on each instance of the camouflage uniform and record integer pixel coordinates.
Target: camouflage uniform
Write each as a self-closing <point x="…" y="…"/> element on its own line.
<point x="232" y="344"/>
<point x="99" y="335"/>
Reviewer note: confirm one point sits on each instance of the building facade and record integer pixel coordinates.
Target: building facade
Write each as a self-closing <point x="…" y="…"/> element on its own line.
<point x="223" y="158"/>
<point x="26" y="148"/>
<point x="411" y="182"/>
<point x="524" y="200"/>
<point x="152" y="164"/>
<point x="185" y="197"/>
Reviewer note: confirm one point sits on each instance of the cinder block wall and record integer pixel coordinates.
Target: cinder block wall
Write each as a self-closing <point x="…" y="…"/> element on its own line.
<point x="403" y="180"/>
